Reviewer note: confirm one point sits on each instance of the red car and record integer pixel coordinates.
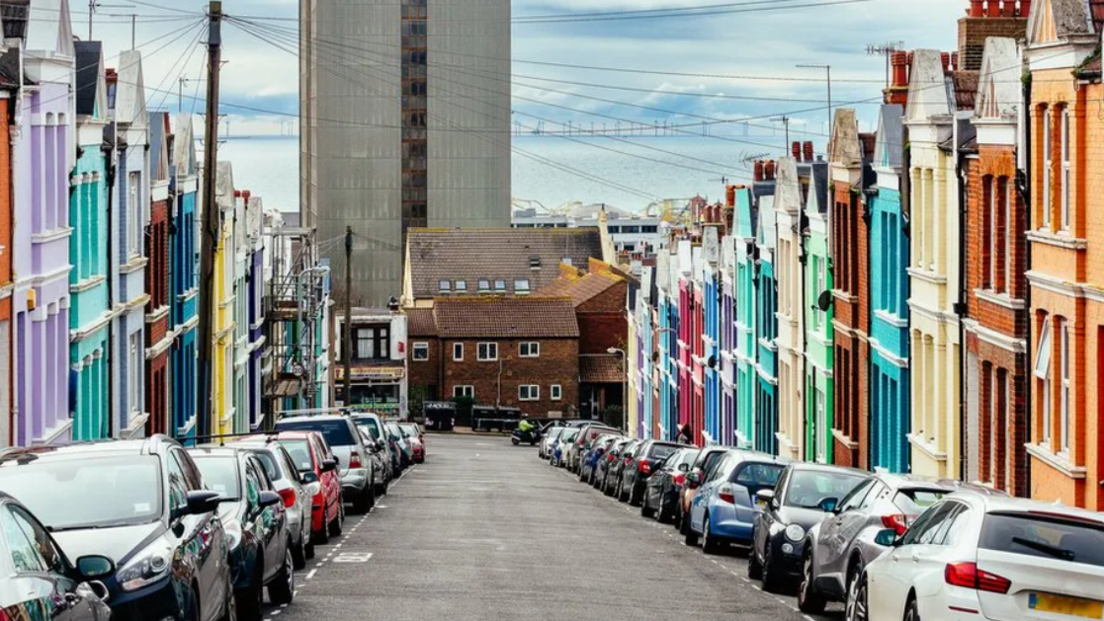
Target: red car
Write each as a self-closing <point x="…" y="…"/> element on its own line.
<point x="317" y="464"/>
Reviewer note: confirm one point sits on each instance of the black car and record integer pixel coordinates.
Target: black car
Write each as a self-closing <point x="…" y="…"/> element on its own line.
<point x="604" y="453"/>
<point x="141" y="503"/>
<point x="661" y="495"/>
<point x="256" y="523"/>
<point x="35" y="574"/>
<point x="618" y="459"/>
<point x="805" y="493"/>
<point x="646" y="457"/>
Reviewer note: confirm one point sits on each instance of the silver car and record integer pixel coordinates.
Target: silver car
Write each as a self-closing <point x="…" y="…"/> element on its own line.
<point x="285" y="476"/>
<point x="837" y="549"/>
<point x="358" y="476"/>
<point x="547" y="440"/>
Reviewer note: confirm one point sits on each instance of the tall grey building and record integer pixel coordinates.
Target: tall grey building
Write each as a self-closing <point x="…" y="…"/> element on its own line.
<point x="405" y="122"/>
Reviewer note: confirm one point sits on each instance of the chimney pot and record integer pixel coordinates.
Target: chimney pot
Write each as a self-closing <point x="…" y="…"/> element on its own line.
<point x="899" y="61"/>
<point x="994" y="8"/>
<point x="758" y="170"/>
<point x="795" y="149"/>
<point x="946" y="58"/>
<point x="769" y="170"/>
<point x="975" y="8"/>
<point x="730" y="196"/>
<point x="808" y="151"/>
<point x="1025" y="8"/>
<point x="954" y="61"/>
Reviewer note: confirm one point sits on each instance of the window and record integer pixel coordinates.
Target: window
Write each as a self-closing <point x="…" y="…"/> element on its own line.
<point x="556" y="392"/>
<point x="521" y="286"/>
<point x="372" y="344"/>
<point x="484" y="285"/>
<point x="461" y="286"/>
<point x="134" y="214"/>
<point x="134" y="373"/>
<point x="463" y="391"/>
<point x="1065" y="170"/>
<point x="458" y="352"/>
<point x="1047" y="170"/>
<point x="1064" y="412"/>
<point x="821" y="428"/>
<point x="500" y="285"/>
<point x="529" y="350"/>
<point x="487" y="352"/>
<point x="528" y="392"/>
<point x="1042" y="372"/>
<point x="421" y="351"/>
<point x="445" y="286"/>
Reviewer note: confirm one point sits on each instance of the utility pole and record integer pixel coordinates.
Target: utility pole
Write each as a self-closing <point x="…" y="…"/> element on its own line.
<point x="347" y="348"/>
<point x="210" y="238"/>
<point x="785" y="121"/>
<point x="94" y="4"/>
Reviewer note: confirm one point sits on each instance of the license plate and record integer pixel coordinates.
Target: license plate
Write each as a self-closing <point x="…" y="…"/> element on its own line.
<point x="1061" y="604"/>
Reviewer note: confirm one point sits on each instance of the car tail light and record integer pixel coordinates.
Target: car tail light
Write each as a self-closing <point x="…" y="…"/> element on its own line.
<point x="289" y="497"/>
<point x="611" y="457"/>
<point x="354" y="461"/>
<point x="899" y="523"/>
<point x="967" y="575"/>
<point x="680" y="478"/>
<point x="726" y="494"/>
<point x="645" y="467"/>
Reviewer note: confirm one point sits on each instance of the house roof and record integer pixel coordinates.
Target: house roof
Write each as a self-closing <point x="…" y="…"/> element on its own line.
<point x="601" y="369"/>
<point x="787" y="190"/>
<point x="14" y="14"/>
<point x="130" y="98"/>
<point x="998" y="96"/>
<point x="582" y="288"/>
<point x="184" y="154"/>
<point x="965" y="89"/>
<point x="890" y="148"/>
<point x="1054" y="20"/>
<point x="470" y="255"/>
<point x="930" y="92"/>
<point x="846" y="148"/>
<point x="90" y="82"/>
<point x="506" y="317"/>
<point x="9" y="68"/>
<point x="49" y="29"/>
<point x="420" y="322"/>
<point x="159" y="146"/>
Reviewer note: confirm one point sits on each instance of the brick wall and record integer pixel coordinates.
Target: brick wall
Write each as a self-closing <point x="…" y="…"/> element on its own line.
<point x="558" y="363"/>
<point x="425" y="373"/>
<point x="851" y="276"/>
<point x="973" y="31"/>
<point x="600" y="331"/>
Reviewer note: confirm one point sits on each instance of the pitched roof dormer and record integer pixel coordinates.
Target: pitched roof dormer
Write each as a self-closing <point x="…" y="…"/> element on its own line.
<point x="49" y="31"/>
<point x="787" y="189"/>
<point x="1062" y="33"/>
<point x="184" y="151"/>
<point x="91" y="84"/>
<point x="130" y="98"/>
<point x="999" y="93"/>
<point x="159" y="146"/>
<point x="889" y="148"/>
<point x="931" y="92"/>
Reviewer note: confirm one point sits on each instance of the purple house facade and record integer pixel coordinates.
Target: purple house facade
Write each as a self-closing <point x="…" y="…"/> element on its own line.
<point x="43" y="153"/>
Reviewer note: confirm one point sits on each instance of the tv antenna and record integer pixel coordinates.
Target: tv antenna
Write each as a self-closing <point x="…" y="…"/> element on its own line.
<point x="885" y="49"/>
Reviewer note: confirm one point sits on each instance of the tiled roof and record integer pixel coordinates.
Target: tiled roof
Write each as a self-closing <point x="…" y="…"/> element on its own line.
<point x="506" y="317"/>
<point x="14" y="14"/>
<point x="89" y="55"/>
<point x="420" y="322"/>
<point x="471" y="255"/>
<point x="601" y="369"/>
<point x="965" y="89"/>
<point x="581" y="290"/>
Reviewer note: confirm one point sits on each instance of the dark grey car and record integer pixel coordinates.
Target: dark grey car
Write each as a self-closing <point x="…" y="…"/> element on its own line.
<point x="646" y="457"/>
<point x="837" y="549"/>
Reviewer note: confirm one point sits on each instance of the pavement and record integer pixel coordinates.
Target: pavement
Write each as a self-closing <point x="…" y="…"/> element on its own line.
<point x="485" y="530"/>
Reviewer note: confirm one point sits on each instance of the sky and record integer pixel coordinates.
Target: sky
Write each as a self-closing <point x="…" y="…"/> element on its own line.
<point x="765" y="43"/>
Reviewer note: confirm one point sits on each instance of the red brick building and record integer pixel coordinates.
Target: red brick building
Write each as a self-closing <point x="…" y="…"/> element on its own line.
<point x="158" y="337"/>
<point x="848" y="164"/>
<point x="518" y="352"/>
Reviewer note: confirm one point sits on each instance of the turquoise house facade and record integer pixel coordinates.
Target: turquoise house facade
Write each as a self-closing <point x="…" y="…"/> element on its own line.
<point x="90" y="313"/>
<point x="183" y="267"/>
<point x="766" y="329"/>
<point x="889" y="292"/>
<point x="819" y="334"/>
<point x="746" y="349"/>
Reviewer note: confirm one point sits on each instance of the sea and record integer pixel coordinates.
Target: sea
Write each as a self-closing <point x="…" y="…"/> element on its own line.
<point x="629" y="173"/>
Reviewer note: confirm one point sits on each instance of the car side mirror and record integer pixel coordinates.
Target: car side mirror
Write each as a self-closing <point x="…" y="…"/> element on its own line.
<point x="200" y="502"/>
<point x="829" y="505"/>
<point x="694" y="480"/>
<point x="94" y="567"/>
<point x="329" y="465"/>
<point x="268" y="499"/>
<point x="380" y="444"/>
<point x="767" y="496"/>
<point x="887" y="538"/>
<point x="308" y="477"/>
<point x="683" y="467"/>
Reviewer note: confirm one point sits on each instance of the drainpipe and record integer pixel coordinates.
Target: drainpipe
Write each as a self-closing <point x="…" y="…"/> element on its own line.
<point x="960" y="305"/>
<point x="108" y="149"/>
<point x="803" y="260"/>
<point x="1023" y="181"/>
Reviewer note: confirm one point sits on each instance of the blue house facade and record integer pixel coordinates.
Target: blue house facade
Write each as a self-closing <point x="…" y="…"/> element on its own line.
<point x="727" y="361"/>
<point x="711" y="332"/>
<point x="183" y="316"/>
<point x="889" y="292"/>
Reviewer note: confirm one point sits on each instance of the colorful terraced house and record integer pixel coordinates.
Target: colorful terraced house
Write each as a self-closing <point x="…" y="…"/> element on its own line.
<point x="183" y="318"/>
<point x="818" y="307"/>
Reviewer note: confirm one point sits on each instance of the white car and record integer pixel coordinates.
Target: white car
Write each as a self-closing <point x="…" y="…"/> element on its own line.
<point x="548" y="441"/>
<point x="974" y="556"/>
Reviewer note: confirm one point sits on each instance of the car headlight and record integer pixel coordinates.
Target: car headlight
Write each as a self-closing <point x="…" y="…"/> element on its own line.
<point x="233" y="534"/>
<point x="795" y="532"/>
<point x="145" y="569"/>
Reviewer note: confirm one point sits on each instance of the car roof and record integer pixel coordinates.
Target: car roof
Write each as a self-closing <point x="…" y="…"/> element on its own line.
<point x="812" y="467"/>
<point x="307" y="419"/>
<point x="153" y="445"/>
<point x="749" y="455"/>
<point x="994" y="503"/>
<point x="213" y="450"/>
<point x="912" y="481"/>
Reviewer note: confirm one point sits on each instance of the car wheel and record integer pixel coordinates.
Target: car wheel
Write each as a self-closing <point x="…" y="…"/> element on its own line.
<point x="250" y="600"/>
<point x="771" y="583"/>
<point x="808" y="599"/>
<point x="308" y="551"/>
<point x="298" y="555"/>
<point x="282" y="588"/>
<point x="193" y="603"/>
<point x="755" y="570"/>
<point x="515" y="441"/>
<point x="646" y="511"/>
<point x="710" y="544"/>
<point x="911" y="611"/>
<point x="335" y="527"/>
<point x="856" y="609"/>
<point x="691" y="538"/>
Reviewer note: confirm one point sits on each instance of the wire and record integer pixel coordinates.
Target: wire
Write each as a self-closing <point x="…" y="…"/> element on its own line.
<point x="154" y="5"/>
<point x="194" y="46"/>
<point x="688" y="13"/>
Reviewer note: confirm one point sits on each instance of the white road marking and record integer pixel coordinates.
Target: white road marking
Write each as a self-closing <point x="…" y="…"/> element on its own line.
<point x="353" y="557"/>
<point x="276" y="612"/>
<point x="311" y="574"/>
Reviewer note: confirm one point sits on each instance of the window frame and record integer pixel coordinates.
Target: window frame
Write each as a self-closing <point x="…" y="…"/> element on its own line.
<point x="444" y="286"/>
<point x="1048" y="168"/>
<point x="533" y="392"/>
<point x="1064" y="387"/>
<point x="555" y="392"/>
<point x="419" y="347"/>
<point x="134" y="214"/>
<point x="457" y="352"/>
<point x="460" y="286"/>
<point x="1064" y="161"/>
<point x="522" y="290"/>
<point x="530" y="345"/>
<point x="464" y="390"/>
<point x="1041" y="371"/>
<point x="488" y="358"/>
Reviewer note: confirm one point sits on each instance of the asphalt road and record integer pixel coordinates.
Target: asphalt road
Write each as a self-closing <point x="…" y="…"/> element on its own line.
<point x="485" y="530"/>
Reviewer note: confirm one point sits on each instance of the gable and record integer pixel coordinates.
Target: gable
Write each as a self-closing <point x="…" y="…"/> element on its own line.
<point x="49" y="29"/>
<point x="998" y="94"/>
<point x="846" y="149"/>
<point x="787" y="189"/>
<point x="1040" y="27"/>
<point x="929" y="92"/>
<point x="130" y="98"/>
<point x="889" y="147"/>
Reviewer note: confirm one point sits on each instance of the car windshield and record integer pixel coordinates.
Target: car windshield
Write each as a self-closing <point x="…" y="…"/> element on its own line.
<point x="916" y="501"/>
<point x="372" y="425"/>
<point x="110" y="491"/>
<point x="394" y="430"/>
<point x="662" y="451"/>
<point x="1049" y="536"/>
<point x="336" y="431"/>
<point x="686" y="458"/>
<point x="410" y="430"/>
<point x="807" y="488"/>
<point x="220" y="474"/>
<point x="300" y="454"/>
<point x="569" y="435"/>
<point x="269" y="462"/>
<point x="758" y="476"/>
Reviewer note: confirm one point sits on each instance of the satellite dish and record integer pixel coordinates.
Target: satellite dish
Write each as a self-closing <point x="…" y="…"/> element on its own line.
<point x="712" y="362"/>
<point x="824" y="302"/>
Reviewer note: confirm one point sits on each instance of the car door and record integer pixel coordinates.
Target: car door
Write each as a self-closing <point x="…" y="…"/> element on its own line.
<point x="890" y="581"/>
<point x="766" y="518"/>
<point x="710" y="479"/>
<point x="268" y="520"/>
<point x="199" y="542"/>
<point x="832" y="541"/>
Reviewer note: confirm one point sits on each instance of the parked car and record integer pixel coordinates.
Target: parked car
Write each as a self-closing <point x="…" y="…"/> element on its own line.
<point x="358" y="478"/>
<point x="416" y="440"/>
<point x="399" y="444"/>
<point x="142" y="502"/>
<point x="837" y="549"/>
<point x="550" y="436"/>
<point x="587" y="435"/>
<point x="256" y="526"/>
<point x="616" y="469"/>
<point x="317" y="464"/>
<point x="982" y="556"/>
<point x="709" y="457"/>
<point x="591" y="457"/>
<point x="380" y="460"/>
<point x="724" y="509"/>
<point x="374" y="424"/>
<point x="645" y="458"/>
<point x="40" y="574"/>
<point x="661" y="494"/>
<point x="284" y="474"/>
<point x="607" y="465"/>
<point x="804" y="494"/>
<point x="560" y="446"/>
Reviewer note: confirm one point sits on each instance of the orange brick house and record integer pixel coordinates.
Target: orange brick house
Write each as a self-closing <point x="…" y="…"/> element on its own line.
<point x="1065" y="229"/>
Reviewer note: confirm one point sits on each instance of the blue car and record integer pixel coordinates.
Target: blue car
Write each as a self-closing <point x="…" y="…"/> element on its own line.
<point x="723" y="511"/>
<point x="559" y="446"/>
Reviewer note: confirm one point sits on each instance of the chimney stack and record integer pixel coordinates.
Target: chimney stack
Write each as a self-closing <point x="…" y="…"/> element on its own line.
<point x="758" y="170"/>
<point x="808" y="151"/>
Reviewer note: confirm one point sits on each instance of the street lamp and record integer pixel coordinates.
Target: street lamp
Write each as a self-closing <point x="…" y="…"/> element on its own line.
<point x="624" y="386"/>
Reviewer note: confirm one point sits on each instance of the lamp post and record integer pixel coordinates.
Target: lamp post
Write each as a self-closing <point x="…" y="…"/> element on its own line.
<point x="624" y="386"/>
